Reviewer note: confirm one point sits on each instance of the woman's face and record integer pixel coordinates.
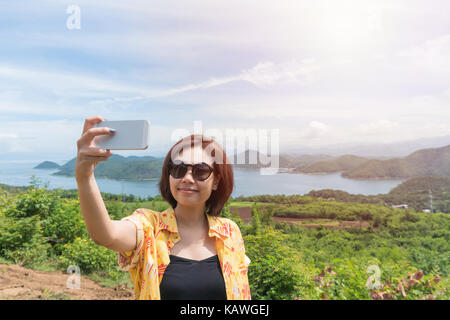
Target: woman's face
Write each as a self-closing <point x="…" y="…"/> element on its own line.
<point x="202" y="189"/>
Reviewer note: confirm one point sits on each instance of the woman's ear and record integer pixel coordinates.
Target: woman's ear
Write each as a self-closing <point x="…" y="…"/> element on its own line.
<point x="216" y="182"/>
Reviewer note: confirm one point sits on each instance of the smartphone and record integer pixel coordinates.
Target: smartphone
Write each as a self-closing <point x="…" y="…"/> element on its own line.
<point x="130" y="135"/>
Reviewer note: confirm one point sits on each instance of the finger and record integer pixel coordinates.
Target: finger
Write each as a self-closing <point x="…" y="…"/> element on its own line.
<point x="96" y="152"/>
<point x="90" y="134"/>
<point x="94" y="158"/>
<point x="91" y="122"/>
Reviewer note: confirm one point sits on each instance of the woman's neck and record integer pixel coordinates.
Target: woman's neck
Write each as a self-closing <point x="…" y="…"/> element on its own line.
<point x="190" y="217"/>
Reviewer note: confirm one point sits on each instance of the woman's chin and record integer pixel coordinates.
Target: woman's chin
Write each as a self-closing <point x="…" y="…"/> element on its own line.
<point x="188" y="202"/>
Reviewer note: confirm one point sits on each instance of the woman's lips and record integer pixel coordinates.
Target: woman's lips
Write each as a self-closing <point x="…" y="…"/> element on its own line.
<point x="187" y="191"/>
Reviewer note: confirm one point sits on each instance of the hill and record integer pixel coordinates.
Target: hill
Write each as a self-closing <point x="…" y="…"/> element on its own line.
<point x="120" y="168"/>
<point x="47" y="165"/>
<point x="338" y="164"/>
<point x="251" y="159"/>
<point x="372" y="150"/>
<point x="425" y="162"/>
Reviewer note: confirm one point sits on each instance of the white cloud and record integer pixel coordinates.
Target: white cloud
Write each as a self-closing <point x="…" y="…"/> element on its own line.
<point x="433" y="54"/>
<point x="382" y="81"/>
<point x="269" y="73"/>
<point x="262" y="74"/>
<point x="62" y="80"/>
<point x="59" y="137"/>
<point x="315" y="130"/>
<point x="318" y="134"/>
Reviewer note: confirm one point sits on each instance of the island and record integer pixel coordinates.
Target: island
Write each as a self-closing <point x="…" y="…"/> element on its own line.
<point x="47" y="165"/>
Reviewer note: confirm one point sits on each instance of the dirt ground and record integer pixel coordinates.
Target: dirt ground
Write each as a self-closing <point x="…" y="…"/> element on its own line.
<point x="246" y="215"/>
<point x="334" y="224"/>
<point x="19" y="283"/>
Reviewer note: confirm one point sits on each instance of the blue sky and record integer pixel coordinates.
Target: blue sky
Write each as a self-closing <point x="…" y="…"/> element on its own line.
<point x="321" y="72"/>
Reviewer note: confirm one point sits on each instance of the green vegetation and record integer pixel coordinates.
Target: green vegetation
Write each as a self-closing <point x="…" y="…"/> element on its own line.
<point x="426" y="162"/>
<point x="396" y="254"/>
<point x="47" y="165"/>
<point x="120" y="168"/>
<point x="414" y="192"/>
<point x="342" y="163"/>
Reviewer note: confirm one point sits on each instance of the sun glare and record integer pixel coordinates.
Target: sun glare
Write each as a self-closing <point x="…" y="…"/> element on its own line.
<point x="345" y="27"/>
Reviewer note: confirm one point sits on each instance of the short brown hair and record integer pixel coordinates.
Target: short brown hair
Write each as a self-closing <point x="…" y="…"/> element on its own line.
<point x="224" y="170"/>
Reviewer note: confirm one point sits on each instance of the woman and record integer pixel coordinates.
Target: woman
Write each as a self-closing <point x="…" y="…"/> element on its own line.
<point x="186" y="251"/>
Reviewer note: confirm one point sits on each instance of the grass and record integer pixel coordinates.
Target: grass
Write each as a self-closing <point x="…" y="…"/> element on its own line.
<point x="249" y="204"/>
<point x="105" y="280"/>
<point x="49" y="295"/>
<point x="3" y="260"/>
<point x="48" y="266"/>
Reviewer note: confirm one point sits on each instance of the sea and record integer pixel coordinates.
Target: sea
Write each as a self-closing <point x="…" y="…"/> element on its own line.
<point x="246" y="182"/>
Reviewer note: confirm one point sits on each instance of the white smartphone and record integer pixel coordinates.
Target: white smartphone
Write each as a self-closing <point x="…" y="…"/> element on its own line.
<point x="130" y="135"/>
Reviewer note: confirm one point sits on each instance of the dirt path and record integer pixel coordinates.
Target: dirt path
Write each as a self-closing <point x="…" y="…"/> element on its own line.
<point x="246" y="214"/>
<point x="329" y="223"/>
<point x="19" y="283"/>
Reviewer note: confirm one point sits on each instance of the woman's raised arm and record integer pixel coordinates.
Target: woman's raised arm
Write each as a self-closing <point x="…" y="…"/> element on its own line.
<point x="114" y="235"/>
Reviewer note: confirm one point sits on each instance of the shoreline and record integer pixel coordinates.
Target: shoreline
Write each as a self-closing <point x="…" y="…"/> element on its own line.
<point x="284" y="170"/>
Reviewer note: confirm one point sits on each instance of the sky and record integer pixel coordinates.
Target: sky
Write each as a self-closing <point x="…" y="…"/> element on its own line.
<point x="320" y="72"/>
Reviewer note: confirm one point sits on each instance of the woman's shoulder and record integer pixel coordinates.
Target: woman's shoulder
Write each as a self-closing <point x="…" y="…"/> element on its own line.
<point x="145" y="216"/>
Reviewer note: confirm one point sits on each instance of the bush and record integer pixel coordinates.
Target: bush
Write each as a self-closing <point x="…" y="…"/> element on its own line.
<point x="88" y="256"/>
<point x="31" y="253"/>
<point x="34" y="202"/>
<point x="64" y="225"/>
<point x="15" y="233"/>
<point x="272" y="272"/>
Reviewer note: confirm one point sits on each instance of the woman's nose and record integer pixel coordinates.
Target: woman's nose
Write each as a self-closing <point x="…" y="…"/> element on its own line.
<point x="188" y="174"/>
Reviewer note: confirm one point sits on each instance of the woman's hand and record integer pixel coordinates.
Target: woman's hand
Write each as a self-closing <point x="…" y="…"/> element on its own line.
<point x="88" y="155"/>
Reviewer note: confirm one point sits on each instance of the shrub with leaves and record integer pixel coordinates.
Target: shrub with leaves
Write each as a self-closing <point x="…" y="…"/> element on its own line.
<point x="33" y="202"/>
<point x="15" y="233"/>
<point x="415" y="286"/>
<point x="30" y="253"/>
<point x="88" y="256"/>
<point x="64" y="225"/>
<point x="272" y="272"/>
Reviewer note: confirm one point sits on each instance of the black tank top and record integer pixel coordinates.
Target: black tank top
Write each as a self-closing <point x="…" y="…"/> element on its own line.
<point x="187" y="279"/>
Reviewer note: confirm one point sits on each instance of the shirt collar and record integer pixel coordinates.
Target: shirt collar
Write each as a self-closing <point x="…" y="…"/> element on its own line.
<point x="216" y="226"/>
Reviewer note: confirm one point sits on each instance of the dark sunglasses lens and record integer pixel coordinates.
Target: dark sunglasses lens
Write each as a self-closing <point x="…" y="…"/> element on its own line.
<point x="201" y="171"/>
<point x="178" y="171"/>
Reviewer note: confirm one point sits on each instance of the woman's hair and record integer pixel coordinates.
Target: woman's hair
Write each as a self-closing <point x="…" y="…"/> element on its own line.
<point x="223" y="169"/>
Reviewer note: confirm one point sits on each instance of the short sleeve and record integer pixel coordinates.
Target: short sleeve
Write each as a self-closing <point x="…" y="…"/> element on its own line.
<point x="130" y="259"/>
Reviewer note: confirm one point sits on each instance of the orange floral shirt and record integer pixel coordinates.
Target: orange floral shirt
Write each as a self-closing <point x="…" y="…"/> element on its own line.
<point x="157" y="233"/>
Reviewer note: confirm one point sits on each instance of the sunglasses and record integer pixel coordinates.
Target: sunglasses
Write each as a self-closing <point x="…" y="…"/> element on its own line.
<point x="200" y="171"/>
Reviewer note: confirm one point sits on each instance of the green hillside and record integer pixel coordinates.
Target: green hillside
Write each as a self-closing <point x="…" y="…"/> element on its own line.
<point x="118" y="167"/>
<point x="338" y="164"/>
<point x="425" y="162"/>
<point x="47" y="165"/>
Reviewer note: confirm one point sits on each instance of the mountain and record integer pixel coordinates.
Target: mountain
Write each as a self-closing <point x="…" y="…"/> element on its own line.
<point x="284" y="160"/>
<point x="120" y="168"/>
<point x="378" y="150"/>
<point x="47" y="165"/>
<point x="425" y="162"/>
<point x="338" y="164"/>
